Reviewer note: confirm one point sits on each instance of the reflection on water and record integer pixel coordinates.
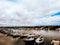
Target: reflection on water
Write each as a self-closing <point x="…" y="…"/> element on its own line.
<point x="50" y="33"/>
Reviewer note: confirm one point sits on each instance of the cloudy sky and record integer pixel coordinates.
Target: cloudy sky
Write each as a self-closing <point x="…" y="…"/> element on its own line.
<point x="29" y="12"/>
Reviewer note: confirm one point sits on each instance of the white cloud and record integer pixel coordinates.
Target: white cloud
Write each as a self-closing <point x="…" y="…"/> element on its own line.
<point x="28" y="12"/>
<point x="51" y="20"/>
